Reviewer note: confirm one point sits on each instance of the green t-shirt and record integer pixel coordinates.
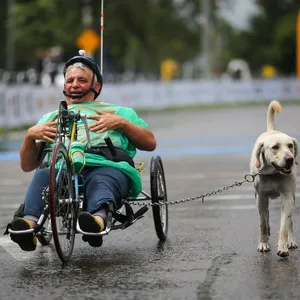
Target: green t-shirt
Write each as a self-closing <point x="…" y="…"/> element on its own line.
<point x="117" y="137"/>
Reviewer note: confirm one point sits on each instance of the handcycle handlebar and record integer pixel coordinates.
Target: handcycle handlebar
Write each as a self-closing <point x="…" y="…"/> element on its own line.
<point x="69" y="116"/>
<point x="65" y="114"/>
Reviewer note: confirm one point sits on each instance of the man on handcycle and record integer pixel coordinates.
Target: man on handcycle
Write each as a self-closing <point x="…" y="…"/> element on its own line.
<point x="104" y="180"/>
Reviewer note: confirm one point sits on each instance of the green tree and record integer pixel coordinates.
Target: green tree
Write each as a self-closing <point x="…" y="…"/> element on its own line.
<point x="271" y="38"/>
<point x="42" y="24"/>
<point x="138" y="35"/>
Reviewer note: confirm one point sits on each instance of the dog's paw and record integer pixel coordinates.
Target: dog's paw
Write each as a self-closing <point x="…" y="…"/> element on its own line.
<point x="282" y="250"/>
<point x="292" y="245"/>
<point x="263" y="247"/>
<point x="283" y="253"/>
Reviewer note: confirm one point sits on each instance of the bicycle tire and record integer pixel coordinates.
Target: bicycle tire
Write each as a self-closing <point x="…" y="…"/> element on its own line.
<point x="62" y="206"/>
<point x="158" y="195"/>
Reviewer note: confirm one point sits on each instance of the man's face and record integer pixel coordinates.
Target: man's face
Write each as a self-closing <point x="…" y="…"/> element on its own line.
<point x="77" y="81"/>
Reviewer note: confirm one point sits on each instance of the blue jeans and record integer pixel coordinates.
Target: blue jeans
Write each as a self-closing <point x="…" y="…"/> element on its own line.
<point x="101" y="185"/>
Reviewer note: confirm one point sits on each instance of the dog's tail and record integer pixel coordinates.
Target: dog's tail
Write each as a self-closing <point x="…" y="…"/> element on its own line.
<point x="273" y="107"/>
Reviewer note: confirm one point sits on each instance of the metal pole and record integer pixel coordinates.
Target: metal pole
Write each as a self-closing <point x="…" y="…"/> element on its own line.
<point x="102" y="29"/>
<point x="298" y="46"/>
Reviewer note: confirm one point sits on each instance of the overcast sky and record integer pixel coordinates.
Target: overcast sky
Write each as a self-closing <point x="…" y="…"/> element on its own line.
<point x="239" y="15"/>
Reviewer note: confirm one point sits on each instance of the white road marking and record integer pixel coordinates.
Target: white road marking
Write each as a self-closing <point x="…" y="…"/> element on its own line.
<point x="9" y="206"/>
<point x="9" y="198"/>
<point x="13" y="182"/>
<point x="14" y="250"/>
<point x="226" y="207"/>
<point x="229" y="207"/>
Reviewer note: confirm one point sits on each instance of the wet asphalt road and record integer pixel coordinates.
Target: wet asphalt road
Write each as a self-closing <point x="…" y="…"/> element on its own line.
<point x="211" y="248"/>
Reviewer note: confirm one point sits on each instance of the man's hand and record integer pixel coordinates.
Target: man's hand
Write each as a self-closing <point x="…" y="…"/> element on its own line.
<point x="140" y="137"/>
<point x="45" y="132"/>
<point x="106" y="121"/>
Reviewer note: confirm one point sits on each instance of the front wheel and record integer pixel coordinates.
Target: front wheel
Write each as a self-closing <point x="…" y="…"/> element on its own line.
<point x="159" y="197"/>
<point x="61" y="203"/>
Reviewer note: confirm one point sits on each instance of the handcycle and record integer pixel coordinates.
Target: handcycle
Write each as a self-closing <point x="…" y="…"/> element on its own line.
<point x="64" y="195"/>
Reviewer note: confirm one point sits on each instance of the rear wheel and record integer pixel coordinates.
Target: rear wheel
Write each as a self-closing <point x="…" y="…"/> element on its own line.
<point x="159" y="196"/>
<point x="61" y="203"/>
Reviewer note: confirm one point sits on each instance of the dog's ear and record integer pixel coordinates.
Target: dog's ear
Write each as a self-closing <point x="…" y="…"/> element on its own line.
<point x="259" y="150"/>
<point x="295" y="147"/>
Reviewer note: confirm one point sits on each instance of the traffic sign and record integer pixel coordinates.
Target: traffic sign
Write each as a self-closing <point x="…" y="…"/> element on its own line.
<point x="89" y="40"/>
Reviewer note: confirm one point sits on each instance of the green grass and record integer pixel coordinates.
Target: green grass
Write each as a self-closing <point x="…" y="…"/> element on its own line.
<point x="4" y="130"/>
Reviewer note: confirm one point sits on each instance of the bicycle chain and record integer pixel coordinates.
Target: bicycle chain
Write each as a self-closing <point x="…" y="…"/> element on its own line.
<point x="247" y="178"/>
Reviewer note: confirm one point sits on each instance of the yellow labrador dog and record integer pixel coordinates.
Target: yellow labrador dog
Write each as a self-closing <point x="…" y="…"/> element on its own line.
<point x="273" y="156"/>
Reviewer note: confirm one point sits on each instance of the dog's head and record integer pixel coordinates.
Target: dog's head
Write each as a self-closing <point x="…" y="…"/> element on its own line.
<point x="278" y="151"/>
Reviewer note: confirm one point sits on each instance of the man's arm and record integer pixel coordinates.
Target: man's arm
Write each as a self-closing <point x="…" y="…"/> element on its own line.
<point x="30" y="146"/>
<point x="28" y="154"/>
<point x="142" y="138"/>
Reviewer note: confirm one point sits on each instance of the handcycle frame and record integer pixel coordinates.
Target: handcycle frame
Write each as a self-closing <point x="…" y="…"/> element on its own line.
<point x="64" y="197"/>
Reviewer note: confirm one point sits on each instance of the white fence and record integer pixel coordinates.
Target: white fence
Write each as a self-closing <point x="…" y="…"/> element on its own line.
<point x="25" y="104"/>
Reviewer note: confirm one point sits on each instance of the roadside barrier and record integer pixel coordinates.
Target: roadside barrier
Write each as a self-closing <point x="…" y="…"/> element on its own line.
<point x="24" y="104"/>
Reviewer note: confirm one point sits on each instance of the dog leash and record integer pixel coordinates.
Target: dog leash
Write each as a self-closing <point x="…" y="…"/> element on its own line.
<point x="247" y="178"/>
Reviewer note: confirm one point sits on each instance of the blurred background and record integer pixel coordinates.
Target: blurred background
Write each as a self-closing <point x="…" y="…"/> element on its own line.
<point x="156" y="53"/>
<point x="150" y="39"/>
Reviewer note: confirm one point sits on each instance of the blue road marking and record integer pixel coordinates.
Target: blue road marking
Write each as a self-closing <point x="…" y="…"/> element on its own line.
<point x="9" y="155"/>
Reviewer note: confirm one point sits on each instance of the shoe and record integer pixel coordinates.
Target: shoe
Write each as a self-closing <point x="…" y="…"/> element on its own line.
<point x="26" y="241"/>
<point x="89" y="223"/>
